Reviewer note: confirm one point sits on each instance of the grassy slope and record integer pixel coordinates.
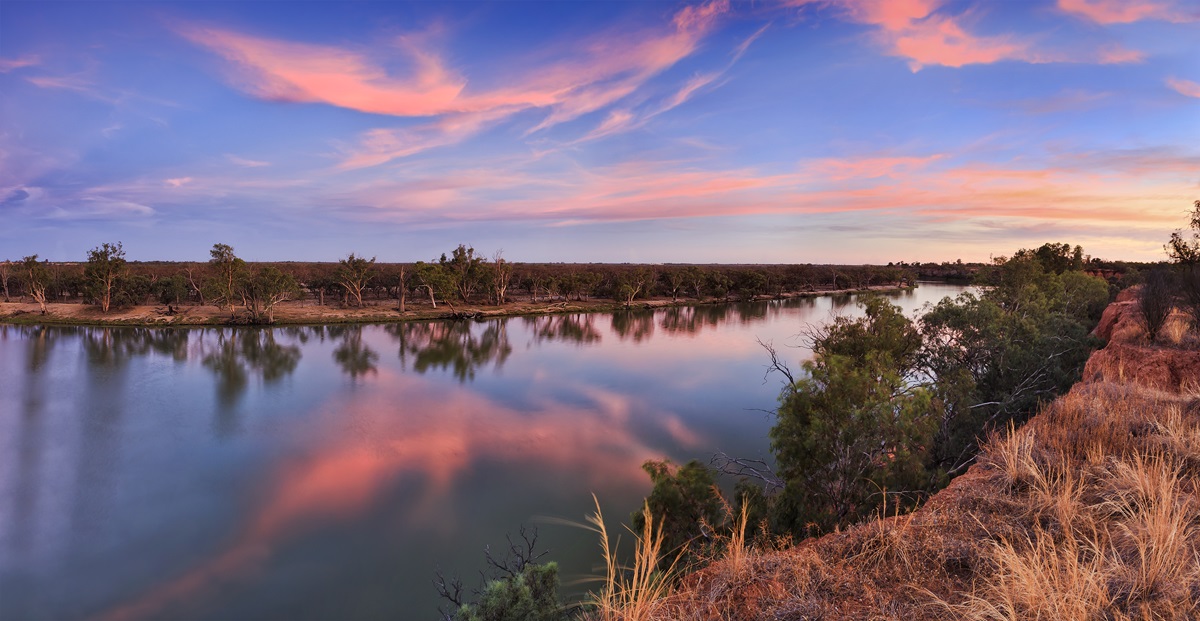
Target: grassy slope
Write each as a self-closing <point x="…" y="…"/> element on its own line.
<point x="1089" y="511"/>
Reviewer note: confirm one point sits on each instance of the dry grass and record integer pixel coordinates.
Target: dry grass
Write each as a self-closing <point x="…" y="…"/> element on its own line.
<point x="1089" y="511"/>
<point x="630" y="592"/>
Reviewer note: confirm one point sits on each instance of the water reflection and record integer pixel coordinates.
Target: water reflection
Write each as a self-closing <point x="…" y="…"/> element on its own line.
<point x="635" y="325"/>
<point x="236" y="353"/>
<point x="112" y="347"/>
<point x="461" y="346"/>
<point x="577" y="328"/>
<point x="355" y="357"/>
<point x="336" y="501"/>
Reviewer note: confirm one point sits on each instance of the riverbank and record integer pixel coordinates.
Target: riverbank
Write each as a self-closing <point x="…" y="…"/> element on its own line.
<point x="1087" y="511"/>
<point x="308" y="312"/>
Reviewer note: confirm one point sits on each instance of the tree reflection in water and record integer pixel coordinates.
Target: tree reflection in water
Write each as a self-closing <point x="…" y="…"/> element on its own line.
<point x="237" y="352"/>
<point x="113" y="347"/>
<point x="460" y="346"/>
<point x="574" y="328"/>
<point x="637" y="325"/>
<point x="353" y="355"/>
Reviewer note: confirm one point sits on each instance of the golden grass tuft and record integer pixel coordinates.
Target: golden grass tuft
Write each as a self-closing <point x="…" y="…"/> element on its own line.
<point x="633" y="592"/>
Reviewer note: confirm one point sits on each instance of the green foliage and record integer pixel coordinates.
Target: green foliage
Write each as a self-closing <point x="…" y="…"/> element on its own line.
<point x="889" y="408"/>
<point x="464" y="269"/>
<point x="1189" y="290"/>
<point x="749" y="283"/>
<point x="682" y="500"/>
<point x="1055" y="258"/>
<point x="37" y="277"/>
<point x="229" y="270"/>
<point x="1185" y="249"/>
<point x="171" y="289"/>
<point x="264" y="289"/>
<point x="105" y="266"/>
<point x="353" y="274"/>
<point x="133" y="290"/>
<point x="631" y="285"/>
<point x="996" y="357"/>
<point x="529" y="595"/>
<point x="855" y="426"/>
<point x="1156" y="299"/>
<point x="433" y="279"/>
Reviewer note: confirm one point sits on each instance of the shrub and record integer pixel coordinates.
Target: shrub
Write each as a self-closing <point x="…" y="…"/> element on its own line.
<point x="1156" y="301"/>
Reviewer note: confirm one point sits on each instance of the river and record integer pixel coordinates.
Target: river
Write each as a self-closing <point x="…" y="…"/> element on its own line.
<point x="327" y="472"/>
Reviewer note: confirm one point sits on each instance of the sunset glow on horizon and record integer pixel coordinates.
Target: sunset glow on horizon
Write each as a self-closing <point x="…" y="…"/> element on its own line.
<point x="797" y="131"/>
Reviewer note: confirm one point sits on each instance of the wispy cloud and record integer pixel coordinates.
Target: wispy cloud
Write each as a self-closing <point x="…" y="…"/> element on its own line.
<point x="922" y="32"/>
<point x="626" y="119"/>
<point x="246" y="163"/>
<point x="9" y="64"/>
<point x="1138" y="189"/>
<point x="1126" y="11"/>
<point x="592" y="75"/>
<point x="1184" y="87"/>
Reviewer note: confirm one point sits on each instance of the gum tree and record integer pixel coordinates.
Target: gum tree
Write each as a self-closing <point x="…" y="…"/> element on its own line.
<point x="105" y="267"/>
<point x="37" y="278"/>
<point x="229" y="269"/>
<point x="353" y="274"/>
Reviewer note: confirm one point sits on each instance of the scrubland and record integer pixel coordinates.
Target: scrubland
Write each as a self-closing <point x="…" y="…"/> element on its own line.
<point x="1090" y="510"/>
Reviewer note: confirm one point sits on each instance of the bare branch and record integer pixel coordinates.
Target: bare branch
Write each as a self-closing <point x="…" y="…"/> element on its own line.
<point x="748" y="468"/>
<point x="776" y="363"/>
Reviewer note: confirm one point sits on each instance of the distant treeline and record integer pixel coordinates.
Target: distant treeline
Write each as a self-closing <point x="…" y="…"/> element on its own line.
<point x="464" y="276"/>
<point x="106" y="279"/>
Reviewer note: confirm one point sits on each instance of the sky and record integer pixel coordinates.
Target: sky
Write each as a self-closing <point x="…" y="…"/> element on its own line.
<point x="773" y="131"/>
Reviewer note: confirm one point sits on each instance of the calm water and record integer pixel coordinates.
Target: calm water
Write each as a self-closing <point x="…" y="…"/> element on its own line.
<point x="318" y="473"/>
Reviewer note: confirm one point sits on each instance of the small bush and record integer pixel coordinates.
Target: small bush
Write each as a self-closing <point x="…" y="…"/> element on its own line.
<point x="1189" y="289"/>
<point x="1156" y="300"/>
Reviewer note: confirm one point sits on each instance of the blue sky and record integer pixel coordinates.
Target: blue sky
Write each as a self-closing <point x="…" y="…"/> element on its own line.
<point x="841" y="131"/>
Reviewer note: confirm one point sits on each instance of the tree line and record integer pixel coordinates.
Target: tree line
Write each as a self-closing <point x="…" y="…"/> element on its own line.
<point x="108" y="280"/>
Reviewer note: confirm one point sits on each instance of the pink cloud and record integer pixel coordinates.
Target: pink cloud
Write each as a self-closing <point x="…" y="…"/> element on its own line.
<point x="246" y="163"/>
<point x="1184" y="87"/>
<point x="870" y="167"/>
<point x="299" y="72"/>
<point x="591" y="75"/>
<point x="1133" y="190"/>
<point x="911" y="29"/>
<point x="1117" y="55"/>
<point x="917" y="31"/>
<point x="1121" y="11"/>
<point x="379" y="146"/>
<point x="942" y="41"/>
<point x="9" y="64"/>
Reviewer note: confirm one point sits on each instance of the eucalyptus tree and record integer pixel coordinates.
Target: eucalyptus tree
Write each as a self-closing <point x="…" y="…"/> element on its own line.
<point x="674" y="280"/>
<point x="354" y="273"/>
<point x="5" y="271"/>
<point x="36" y="278"/>
<point x="633" y="284"/>
<point x="229" y="270"/>
<point x="264" y="289"/>
<point x="501" y="277"/>
<point x="433" y="279"/>
<point x="105" y="267"/>
<point x="402" y="281"/>
<point x="465" y="270"/>
<point x="695" y="277"/>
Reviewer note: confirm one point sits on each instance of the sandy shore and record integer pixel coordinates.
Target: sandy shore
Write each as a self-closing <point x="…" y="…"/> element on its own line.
<point x="309" y="312"/>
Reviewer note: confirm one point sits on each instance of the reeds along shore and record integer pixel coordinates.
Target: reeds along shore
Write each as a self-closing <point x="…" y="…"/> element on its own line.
<point x="1091" y="510"/>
